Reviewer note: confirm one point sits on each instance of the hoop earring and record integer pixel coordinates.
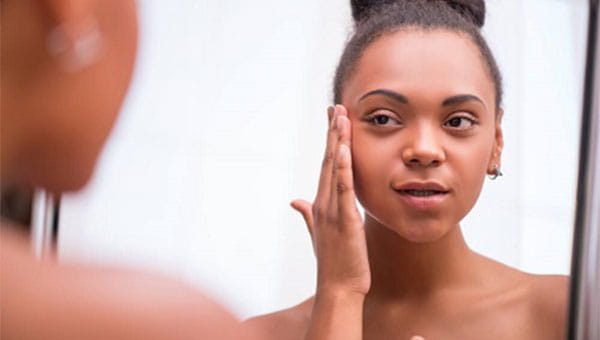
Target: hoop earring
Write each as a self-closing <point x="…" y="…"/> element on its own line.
<point x="495" y="173"/>
<point x="75" y="50"/>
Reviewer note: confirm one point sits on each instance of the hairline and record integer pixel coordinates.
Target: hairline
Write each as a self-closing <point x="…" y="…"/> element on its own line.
<point x="351" y="70"/>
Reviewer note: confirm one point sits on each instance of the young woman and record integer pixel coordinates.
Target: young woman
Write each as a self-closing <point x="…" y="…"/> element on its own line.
<point x="66" y="66"/>
<point x="415" y="131"/>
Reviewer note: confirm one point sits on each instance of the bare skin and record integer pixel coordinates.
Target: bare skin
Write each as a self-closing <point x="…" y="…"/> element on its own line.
<point x="529" y="309"/>
<point x="417" y="274"/>
<point x="55" y="120"/>
<point x="46" y="300"/>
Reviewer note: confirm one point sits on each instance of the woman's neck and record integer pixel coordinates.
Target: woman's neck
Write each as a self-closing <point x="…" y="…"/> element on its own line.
<point x="403" y="269"/>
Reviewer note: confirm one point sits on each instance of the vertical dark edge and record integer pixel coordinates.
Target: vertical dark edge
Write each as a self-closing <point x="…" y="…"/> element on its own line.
<point x="55" y="222"/>
<point x="584" y="148"/>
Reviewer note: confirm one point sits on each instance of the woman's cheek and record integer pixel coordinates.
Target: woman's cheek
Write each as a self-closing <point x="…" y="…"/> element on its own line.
<point x="471" y="177"/>
<point x="366" y="164"/>
<point x="359" y="168"/>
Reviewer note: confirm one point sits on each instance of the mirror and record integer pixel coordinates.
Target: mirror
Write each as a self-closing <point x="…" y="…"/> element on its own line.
<point x="225" y="124"/>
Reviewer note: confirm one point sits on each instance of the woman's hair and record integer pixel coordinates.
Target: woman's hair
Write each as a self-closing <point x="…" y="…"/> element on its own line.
<point x="375" y="18"/>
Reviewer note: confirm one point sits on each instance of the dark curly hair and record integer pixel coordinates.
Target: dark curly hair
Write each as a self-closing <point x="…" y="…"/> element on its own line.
<point x="375" y="18"/>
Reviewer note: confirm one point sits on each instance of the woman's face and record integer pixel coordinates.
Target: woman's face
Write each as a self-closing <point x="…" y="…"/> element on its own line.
<point x="424" y="130"/>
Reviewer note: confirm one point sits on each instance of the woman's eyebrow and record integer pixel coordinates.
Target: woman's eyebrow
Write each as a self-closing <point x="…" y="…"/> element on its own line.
<point x="388" y="93"/>
<point x="461" y="98"/>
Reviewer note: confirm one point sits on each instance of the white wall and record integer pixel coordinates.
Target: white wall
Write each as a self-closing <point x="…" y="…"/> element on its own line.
<point x="225" y="123"/>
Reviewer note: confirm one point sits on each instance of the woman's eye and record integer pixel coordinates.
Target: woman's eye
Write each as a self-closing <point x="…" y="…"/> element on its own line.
<point x="381" y="119"/>
<point x="460" y="123"/>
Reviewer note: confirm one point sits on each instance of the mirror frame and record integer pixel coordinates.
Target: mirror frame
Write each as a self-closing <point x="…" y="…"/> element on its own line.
<point x="584" y="303"/>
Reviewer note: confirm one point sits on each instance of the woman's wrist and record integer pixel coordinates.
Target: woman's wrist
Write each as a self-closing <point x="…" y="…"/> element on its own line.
<point x="339" y="294"/>
<point x="337" y="314"/>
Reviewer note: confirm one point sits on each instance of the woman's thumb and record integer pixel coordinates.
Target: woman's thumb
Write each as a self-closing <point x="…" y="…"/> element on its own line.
<point x="304" y="208"/>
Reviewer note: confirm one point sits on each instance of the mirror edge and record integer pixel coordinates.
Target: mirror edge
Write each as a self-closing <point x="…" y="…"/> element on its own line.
<point x="584" y="302"/>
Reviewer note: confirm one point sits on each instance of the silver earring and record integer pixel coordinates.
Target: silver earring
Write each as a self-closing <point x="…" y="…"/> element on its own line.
<point x="496" y="172"/>
<point x="75" y="52"/>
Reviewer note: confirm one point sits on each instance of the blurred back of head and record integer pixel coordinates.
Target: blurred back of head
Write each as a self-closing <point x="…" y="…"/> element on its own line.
<point x="66" y="66"/>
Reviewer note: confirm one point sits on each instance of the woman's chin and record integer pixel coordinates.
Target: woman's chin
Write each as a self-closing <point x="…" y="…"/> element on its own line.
<point x="414" y="229"/>
<point x="421" y="232"/>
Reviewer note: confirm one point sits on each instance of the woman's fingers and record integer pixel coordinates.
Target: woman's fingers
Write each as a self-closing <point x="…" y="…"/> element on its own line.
<point x="341" y="180"/>
<point x="346" y="133"/>
<point x="305" y="208"/>
<point x="323" y="193"/>
<point x="341" y="122"/>
<point x="345" y="189"/>
<point x="330" y="112"/>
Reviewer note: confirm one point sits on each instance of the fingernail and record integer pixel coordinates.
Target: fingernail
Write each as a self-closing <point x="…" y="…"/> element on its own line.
<point x="340" y="122"/>
<point x="344" y="153"/>
<point x="330" y="111"/>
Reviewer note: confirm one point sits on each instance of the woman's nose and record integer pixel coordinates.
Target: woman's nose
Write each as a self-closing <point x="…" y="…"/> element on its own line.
<point x="423" y="149"/>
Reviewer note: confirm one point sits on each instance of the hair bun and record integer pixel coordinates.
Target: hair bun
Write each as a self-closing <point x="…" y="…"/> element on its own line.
<point x="362" y="8"/>
<point x="473" y="10"/>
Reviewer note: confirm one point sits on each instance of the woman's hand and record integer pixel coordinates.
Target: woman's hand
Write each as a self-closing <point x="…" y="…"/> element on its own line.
<point x="334" y="223"/>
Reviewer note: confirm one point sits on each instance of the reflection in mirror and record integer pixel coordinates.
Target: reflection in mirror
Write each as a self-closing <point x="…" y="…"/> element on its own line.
<point x="226" y="124"/>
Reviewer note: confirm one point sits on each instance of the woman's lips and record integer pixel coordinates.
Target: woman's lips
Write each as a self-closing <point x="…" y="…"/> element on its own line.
<point x="422" y="195"/>
<point x="422" y="200"/>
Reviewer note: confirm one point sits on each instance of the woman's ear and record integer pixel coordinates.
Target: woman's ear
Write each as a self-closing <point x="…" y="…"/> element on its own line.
<point x="496" y="157"/>
<point x="74" y="37"/>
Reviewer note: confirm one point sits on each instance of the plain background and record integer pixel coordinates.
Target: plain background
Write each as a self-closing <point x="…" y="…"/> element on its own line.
<point x="225" y="125"/>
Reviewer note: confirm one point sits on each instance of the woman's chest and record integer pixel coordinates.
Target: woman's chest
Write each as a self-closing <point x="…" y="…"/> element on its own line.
<point x="456" y="320"/>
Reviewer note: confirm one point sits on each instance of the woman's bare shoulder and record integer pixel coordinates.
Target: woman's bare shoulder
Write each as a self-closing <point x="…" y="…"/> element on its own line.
<point x="545" y="298"/>
<point x="550" y="294"/>
<point x="547" y="295"/>
<point x="45" y="300"/>
<point x="548" y="301"/>
<point x="289" y="324"/>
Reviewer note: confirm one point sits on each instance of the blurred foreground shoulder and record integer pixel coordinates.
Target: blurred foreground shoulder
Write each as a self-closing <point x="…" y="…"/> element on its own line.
<point x="287" y="324"/>
<point x="50" y="301"/>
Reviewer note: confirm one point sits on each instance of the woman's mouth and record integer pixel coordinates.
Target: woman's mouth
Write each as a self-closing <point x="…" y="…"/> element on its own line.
<point x="421" y="193"/>
<point x="422" y="196"/>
